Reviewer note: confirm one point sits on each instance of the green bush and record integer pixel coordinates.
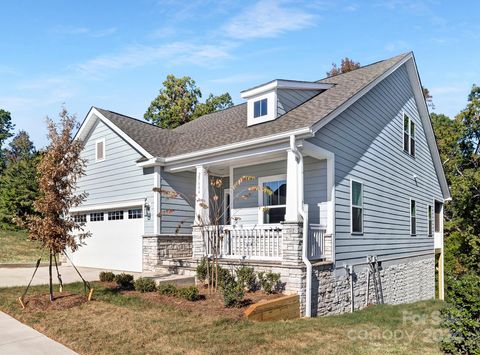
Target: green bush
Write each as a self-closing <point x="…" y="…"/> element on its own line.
<point x="189" y="293"/>
<point x="107" y="276"/>
<point x="247" y="278"/>
<point x="269" y="282"/>
<point x="144" y="284"/>
<point x="124" y="281"/>
<point x="202" y="270"/>
<point x="232" y="293"/>
<point x="462" y="315"/>
<point x="167" y="289"/>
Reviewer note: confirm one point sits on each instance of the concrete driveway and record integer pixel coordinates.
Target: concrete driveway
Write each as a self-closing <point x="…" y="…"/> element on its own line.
<point x="21" y="276"/>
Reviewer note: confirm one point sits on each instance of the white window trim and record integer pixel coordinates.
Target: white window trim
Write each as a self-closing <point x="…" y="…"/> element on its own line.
<point x="409" y="151"/>
<point x="410" y="217"/>
<point x="351" y="207"/>
<point x="261" y="181"/>
<point x="261" y="114"/>
<point x="102" y="140"/>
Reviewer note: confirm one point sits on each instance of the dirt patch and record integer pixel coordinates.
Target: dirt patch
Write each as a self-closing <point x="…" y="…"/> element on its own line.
<point x="209" y="304"/>
<point x="64" y="300"/>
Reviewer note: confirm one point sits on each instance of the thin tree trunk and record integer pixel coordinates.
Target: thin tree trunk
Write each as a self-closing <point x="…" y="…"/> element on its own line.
<point x="50" y="282"/>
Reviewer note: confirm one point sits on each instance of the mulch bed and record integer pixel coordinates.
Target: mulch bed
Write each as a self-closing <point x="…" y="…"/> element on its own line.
<point x="64" y="300"/>
<point x="209" y="304"/>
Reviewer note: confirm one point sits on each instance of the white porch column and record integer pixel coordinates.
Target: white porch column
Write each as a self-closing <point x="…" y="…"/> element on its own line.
<point x="201" y="197"/>
<point x="156" y="200"/>
<point x="294" y="183"/>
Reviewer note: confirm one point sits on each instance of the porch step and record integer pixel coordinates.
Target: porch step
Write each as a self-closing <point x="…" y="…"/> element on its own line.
<point x="186" y="267"/>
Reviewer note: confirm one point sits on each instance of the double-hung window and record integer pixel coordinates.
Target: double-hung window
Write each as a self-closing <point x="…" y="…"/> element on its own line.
<point x="413" y="217"/>
<point x="273" y="198"/>
<point x="356" y="202"/>
<point x="408" y="135"/>
<point x="260" y="108"/>
<point x="430" y="220"/>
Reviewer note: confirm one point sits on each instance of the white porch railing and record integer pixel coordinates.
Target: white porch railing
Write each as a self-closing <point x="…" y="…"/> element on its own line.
<point x="260" y="242"/>
<point x="316" y="241"/>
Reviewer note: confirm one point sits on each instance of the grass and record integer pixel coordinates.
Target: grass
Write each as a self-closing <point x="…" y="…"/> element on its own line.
<point x="16" y="248"/>
<point x="115" y="323"/>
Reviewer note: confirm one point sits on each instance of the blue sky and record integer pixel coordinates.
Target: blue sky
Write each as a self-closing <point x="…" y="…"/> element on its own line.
<point x="115" y="54"/>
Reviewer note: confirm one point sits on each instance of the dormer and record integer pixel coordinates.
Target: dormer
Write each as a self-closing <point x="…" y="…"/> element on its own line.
<point x="269" y="101"/>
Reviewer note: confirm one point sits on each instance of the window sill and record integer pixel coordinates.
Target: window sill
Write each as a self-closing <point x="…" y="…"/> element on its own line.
<point x="356" y="233"/>
<point x="408" y="154"/>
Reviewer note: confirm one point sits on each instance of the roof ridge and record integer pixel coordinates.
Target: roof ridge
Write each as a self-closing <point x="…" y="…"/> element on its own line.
<point x="399" y="56"/>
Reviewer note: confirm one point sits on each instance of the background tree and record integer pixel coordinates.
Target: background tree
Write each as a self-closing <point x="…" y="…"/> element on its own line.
<point x="459" y="146"/>
<point x="428" y="98"/>
<point x="18" y="183"/>
<point x="6" y="128"/>
<point x="59" y="171"/>
<point x="346" y="65"/>
<point x="178" y="102"/>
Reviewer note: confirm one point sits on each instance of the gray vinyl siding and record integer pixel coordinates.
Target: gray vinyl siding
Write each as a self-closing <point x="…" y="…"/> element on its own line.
<point x="315" y="186"/>
<point x="288" y="99"/>
<point x="117" y="178"/>
<point x="247" y="208"/>
<point x="367" y="140"/>
<point x="182" y="208"/>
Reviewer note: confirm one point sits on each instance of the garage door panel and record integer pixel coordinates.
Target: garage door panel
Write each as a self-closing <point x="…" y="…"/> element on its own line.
<point x="115" y="244"/>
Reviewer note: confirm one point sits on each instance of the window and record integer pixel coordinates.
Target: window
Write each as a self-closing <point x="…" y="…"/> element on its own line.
<point x="408" y="135"/>
<point x="100" y="150"/>
<point x="260" y="108"/>
<point x="96" y="217"/>
<point x="80" y="218"/>
<point x="356" y="194"/>
<point x="430" y="220"/>
<point x="273" y="198"/>
<point x="115" y="215"/>
<point x="438" y="216"/>
<point x="135" y="213"/>
<point x="413" y="217"/>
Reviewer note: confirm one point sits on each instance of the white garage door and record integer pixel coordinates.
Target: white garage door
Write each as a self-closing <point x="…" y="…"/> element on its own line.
<point x="115" y="241"/>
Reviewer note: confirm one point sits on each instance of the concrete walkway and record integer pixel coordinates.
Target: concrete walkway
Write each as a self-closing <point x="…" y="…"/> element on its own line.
<point x="17" y="338"/>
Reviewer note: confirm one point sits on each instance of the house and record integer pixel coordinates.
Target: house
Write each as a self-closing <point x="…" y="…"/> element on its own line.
<point x="354" y="213"/>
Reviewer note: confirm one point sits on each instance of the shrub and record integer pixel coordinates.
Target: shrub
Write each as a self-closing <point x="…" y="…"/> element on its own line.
<point x="107" y="276"/>
<point x="202" y="270"/>
<point x="462" y="315"/>
<point x="124" y="281"/>
<point x="270" y="281"/>
<point x="167" y="289"/>
<point x="189" y="293"/>
<point x="232" y="293"/>
<point x="246" y="278"/>
<point x="144" y="284"/>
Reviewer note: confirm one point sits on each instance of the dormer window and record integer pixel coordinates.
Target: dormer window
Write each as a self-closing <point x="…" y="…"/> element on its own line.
<point x="269" y="101"/>
<point x="260" y="108"/>
<point x="100" y="150"/>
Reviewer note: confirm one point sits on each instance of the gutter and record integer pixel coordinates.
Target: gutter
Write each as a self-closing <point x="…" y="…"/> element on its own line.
<point x="303" y="211"/>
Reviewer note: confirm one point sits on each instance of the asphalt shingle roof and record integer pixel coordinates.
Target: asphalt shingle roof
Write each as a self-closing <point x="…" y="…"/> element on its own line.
<point x="230" y="125"/>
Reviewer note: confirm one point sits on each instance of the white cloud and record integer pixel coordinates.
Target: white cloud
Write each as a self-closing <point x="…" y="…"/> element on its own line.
<point x="104" y="33"/>
<point x="267" y="18"/>
<point x="75" y="31"/>
<point x="351" y="8"/>
<point x="397" y="46"/>
<point x="140" y="55"/>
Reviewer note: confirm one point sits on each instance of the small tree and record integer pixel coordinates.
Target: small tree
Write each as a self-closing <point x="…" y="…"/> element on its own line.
<point x="59" y="171"/>
<point x="346" y="65"/>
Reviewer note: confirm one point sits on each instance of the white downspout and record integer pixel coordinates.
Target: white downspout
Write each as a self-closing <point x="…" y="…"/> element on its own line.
<point x="303" y="211"/>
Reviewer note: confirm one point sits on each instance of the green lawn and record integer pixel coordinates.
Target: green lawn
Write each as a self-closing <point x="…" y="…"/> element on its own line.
<point x="16" y="248"/>
<point x="115" y="323"/>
